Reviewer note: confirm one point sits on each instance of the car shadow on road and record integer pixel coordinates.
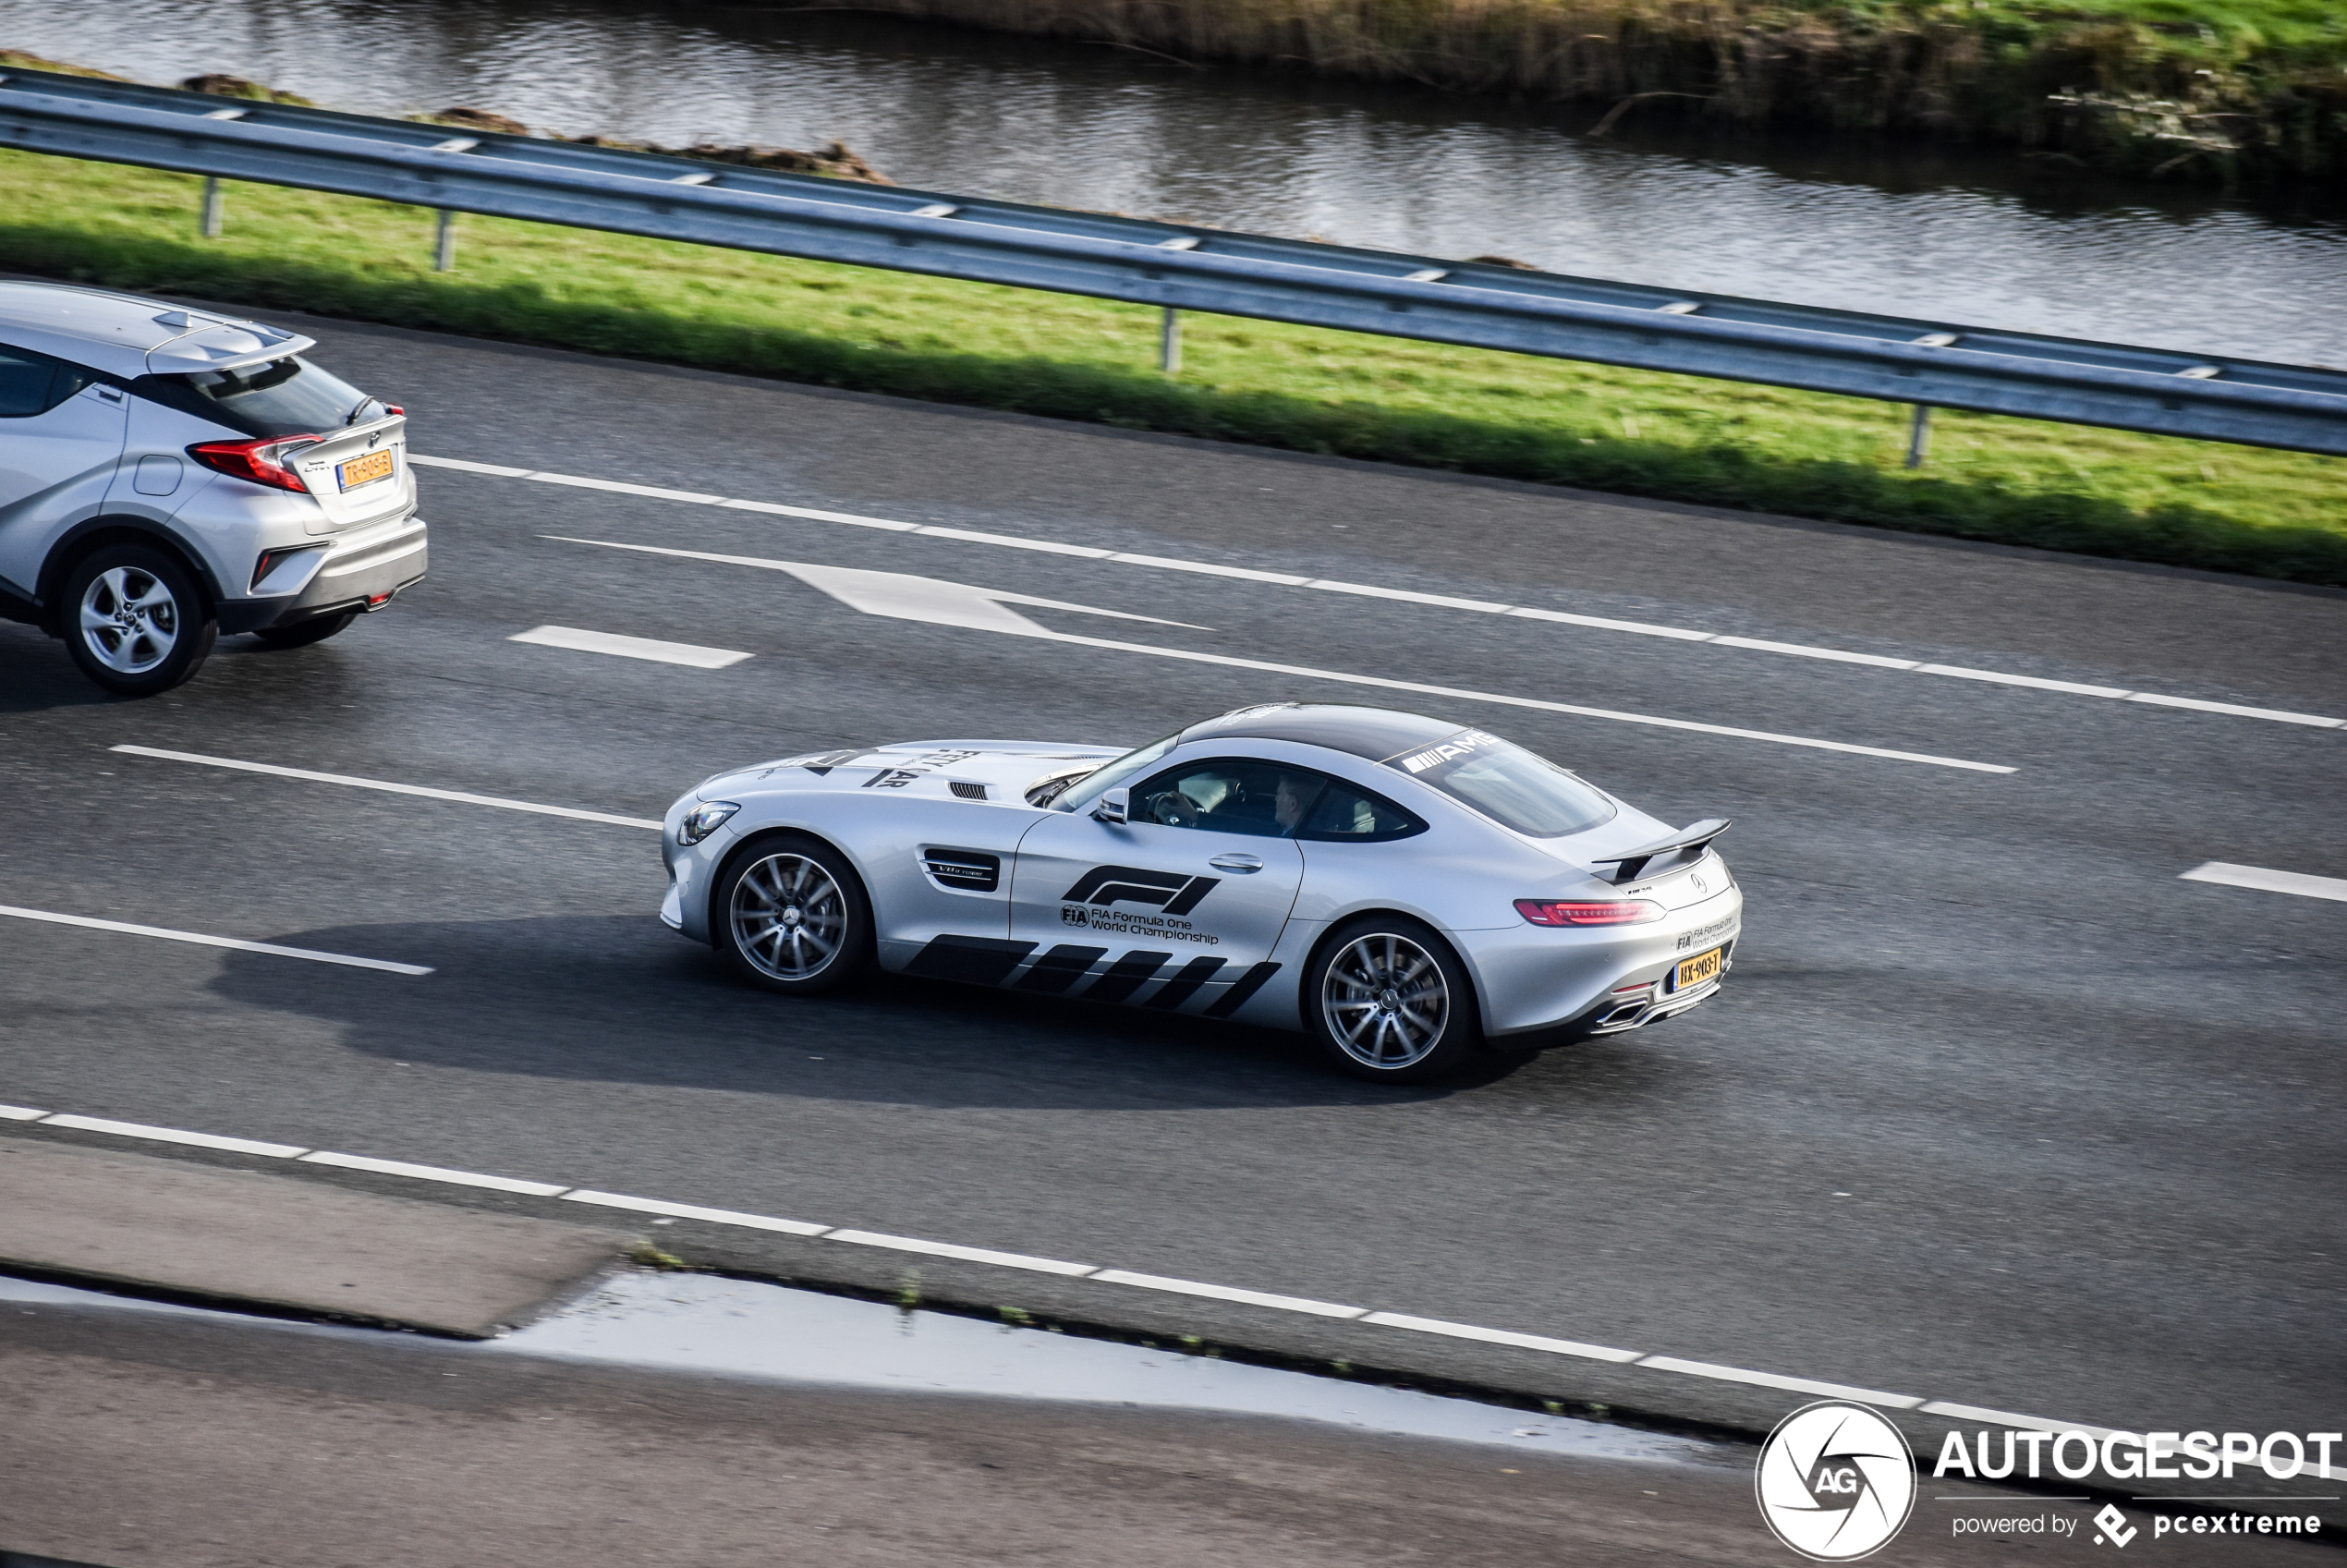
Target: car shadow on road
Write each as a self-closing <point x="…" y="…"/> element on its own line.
<point x="37" y="675"/>
<point x="620" y="999"/>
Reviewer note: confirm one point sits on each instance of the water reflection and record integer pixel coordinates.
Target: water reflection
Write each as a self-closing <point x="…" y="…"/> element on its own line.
<point x="1980" y="237"/>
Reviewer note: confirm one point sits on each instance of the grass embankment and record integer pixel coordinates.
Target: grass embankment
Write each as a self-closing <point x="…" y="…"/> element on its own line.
<point x="2217" y="89"/>
<point x="2062" y="487"/>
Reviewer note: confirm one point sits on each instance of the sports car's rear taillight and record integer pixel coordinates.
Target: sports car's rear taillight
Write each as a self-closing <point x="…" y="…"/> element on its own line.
<point x="1570" y="912"/>
<point x="263" y="461"/>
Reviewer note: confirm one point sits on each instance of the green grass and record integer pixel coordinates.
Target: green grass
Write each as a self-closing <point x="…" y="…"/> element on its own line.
<point x="2063" y="487"/>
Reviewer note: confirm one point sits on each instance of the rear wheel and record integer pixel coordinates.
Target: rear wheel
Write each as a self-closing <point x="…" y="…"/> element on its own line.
<point x="1389" y="1000"/>
<point x="301" y="634"/>
<point x="791" y="914"/>
<point x="135" y="621"/>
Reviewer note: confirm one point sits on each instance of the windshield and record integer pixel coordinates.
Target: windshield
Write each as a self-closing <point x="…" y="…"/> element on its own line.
<point x="1088" y="788"/>
<point x="287" y="397"/>
<point x="1507" y="784"/>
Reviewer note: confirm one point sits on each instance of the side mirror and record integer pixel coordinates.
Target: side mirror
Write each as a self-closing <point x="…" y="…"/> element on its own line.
<point x="1112" y="805"/>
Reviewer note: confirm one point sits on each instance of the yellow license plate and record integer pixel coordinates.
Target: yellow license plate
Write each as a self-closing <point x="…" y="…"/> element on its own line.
<point x="1695" y="971"/>
<point x="356" y="471"/>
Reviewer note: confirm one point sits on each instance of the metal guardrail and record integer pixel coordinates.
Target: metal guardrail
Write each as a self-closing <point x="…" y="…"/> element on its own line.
<point x="1925" y="363"/>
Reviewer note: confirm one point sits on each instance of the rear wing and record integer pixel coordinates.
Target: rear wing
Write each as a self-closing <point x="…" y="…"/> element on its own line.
<point x="1691" y="842"/>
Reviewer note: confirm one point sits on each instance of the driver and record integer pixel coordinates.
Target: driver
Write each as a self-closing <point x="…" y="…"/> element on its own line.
<point x="1289" y="806"/>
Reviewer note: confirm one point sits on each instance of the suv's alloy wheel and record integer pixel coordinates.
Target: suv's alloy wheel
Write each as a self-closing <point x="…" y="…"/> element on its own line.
<point x="135" y="622"/>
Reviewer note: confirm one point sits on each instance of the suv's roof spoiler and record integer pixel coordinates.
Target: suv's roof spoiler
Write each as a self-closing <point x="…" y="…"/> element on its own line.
<point x="1631" y="862"/>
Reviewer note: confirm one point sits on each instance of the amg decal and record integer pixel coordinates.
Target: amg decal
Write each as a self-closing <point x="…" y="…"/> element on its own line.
<point x="1170" y="891"/>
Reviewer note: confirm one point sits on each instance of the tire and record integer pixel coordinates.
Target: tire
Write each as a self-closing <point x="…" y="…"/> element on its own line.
<point x="134" y="620"/>
<point x="301" y="634"/>
<point x="791" y="914"/>
<point x="1390" y="1001"/>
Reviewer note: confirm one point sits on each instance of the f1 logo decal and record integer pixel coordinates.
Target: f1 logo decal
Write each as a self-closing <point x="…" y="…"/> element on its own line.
<point x="1168" y="891"/>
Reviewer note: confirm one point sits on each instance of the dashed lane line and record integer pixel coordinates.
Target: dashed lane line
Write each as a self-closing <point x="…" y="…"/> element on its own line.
<point x="1330" y="585"/>
<point x="199" y="939"/>
<point x="947" y="603"/>
<point x="1402" y="1322"/>
<point x="646" y="647"/>
<point x="2266" y="880"/>
<point x="461" y="796"/>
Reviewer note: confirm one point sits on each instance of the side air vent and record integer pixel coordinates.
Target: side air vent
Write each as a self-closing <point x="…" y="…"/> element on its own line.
<point x="964" y="871"/>
<point x="967" y="790"/>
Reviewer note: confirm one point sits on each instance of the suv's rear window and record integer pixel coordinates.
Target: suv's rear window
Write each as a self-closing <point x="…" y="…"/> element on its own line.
<point x="1508" y="785"/>
<point x="287" y="397"/>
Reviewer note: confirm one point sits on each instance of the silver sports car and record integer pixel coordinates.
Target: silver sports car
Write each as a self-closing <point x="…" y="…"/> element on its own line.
<point x="1399" y="887"/>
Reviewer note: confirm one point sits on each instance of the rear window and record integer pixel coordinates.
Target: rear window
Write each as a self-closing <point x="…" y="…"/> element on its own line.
<point x="34" y="384"/>
<point x="287" y="397"/>
<point x="1509" y="785"/>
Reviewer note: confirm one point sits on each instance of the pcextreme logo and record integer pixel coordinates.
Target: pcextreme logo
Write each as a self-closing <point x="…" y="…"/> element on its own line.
<point x="1835" y="1481"/>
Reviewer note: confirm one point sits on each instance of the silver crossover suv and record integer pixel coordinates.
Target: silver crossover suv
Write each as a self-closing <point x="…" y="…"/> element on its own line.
<point x="167" y="475"/>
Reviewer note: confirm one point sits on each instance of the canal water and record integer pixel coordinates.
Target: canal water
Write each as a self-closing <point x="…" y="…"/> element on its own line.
<point x="1979" y="236"/>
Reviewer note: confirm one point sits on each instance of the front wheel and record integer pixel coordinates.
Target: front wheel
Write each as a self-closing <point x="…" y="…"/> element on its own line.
<point x="791" y="914"/>
<point x="1389" y="1000"/>
<point x="135" y="621"/>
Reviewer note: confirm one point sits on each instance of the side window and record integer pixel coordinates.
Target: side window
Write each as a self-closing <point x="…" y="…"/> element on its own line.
<point x="1230" y="795"/>
<point x="34" y="384"/>
<point x="1346" y="815"/>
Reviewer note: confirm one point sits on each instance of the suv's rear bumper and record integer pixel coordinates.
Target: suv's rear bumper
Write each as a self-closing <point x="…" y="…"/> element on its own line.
<point x="361" y="571"/>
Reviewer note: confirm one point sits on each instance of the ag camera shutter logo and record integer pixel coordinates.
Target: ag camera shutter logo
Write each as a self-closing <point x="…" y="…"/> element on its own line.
<point x="1835" y="1481"/>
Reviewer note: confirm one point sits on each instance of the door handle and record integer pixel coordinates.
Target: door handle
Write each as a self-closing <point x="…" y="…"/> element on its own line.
<point x="1236" y="862"/>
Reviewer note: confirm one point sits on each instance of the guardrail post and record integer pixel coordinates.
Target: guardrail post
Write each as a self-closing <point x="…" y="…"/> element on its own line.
<point x="1919" y="436"/>
<point x="1169" y="348"/>
<point x="210" y="207"/>
<point x="443" y="256"/>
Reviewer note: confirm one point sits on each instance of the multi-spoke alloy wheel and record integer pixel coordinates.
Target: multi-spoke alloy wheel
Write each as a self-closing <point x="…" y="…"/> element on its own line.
<point x="136" y="622"/>
<point x="129" y="619"/>
<point x="1391" y="1003"/>
<point x="795" y="916"/>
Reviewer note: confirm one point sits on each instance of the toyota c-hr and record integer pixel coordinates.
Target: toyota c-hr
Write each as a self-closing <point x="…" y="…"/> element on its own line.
<point x="169" y="475"/>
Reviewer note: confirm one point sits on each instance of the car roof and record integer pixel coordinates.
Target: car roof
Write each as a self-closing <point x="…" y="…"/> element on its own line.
<point x="1375" y="733"/>
<point x="124" y="335"/>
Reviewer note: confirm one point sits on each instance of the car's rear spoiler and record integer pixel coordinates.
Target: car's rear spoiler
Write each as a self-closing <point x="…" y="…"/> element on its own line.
<point x="1689" y="841"/>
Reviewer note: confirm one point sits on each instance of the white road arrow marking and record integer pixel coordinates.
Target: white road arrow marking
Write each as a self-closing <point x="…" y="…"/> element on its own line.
<point x="959" y="605"/>
<point x="902" y="595"/>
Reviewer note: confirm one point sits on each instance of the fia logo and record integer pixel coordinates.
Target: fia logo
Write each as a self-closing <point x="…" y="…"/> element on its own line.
<point x="1074" y="915"/>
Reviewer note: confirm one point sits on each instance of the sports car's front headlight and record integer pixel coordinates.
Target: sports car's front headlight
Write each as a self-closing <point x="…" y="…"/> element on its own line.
<point x="704" y="819"/>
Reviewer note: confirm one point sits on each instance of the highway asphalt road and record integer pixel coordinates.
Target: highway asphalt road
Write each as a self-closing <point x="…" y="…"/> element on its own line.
<point x="1995" y="1107"/>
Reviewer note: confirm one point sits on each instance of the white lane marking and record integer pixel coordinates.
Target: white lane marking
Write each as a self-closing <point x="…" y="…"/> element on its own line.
<point x="958" y="604"/>
<point x="2266" y="880"/>
<point x="20" y="1113"/>
<point x="1227" y="1293"/>
<point x="1600" y="622"/>
<point x="2039" y="683"/>
<point x="172" y="1135"/>
<point x="900" y="596"/>
<point x="1499" y="1336"/>
<point x="460" y="796"/>
<point x="1114" y="1276"/>
<point x="649" y="491"/>
<point x="1791" y="1385"/>
<point x="201" y="940"/>
<point x="1506" y="700"/>
<point x="1973" y="1413"/>
<point x="646" y="647"/>
<point x="695" y="1212"/>
<point x="432" y="1174"/>
<point x="2276" y="715"/>
<point x="1803" y="651"/>
<point x="967" y="1253"/>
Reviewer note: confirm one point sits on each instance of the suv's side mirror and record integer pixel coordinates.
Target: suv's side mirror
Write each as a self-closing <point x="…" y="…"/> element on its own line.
<point x="1112" y="805"/>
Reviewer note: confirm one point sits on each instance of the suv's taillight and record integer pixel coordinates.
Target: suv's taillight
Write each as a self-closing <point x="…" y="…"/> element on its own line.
<point x="261" y="461"/>
<point x="1568" y="912"/>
